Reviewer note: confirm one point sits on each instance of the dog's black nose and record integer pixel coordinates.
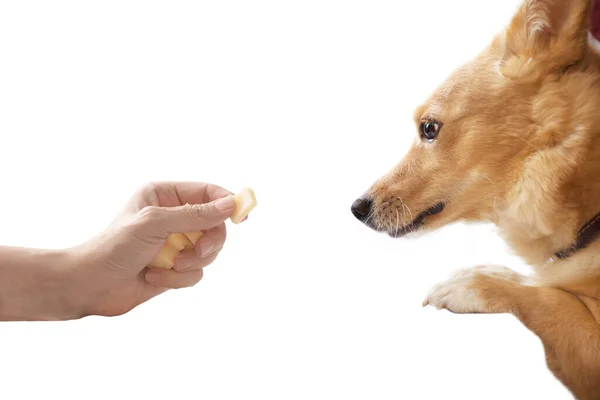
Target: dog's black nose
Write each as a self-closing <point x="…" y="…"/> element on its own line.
<point x="361" y="208"/>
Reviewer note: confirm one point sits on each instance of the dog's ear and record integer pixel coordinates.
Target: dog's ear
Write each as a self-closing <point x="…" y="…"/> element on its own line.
<point x="545" y="36"/>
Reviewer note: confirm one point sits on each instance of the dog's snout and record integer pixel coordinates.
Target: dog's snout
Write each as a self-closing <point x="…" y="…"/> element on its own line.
<point x="361" y="208"/>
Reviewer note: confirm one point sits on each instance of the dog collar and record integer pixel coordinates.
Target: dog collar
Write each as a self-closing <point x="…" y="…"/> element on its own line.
<point x="585" y="236"/>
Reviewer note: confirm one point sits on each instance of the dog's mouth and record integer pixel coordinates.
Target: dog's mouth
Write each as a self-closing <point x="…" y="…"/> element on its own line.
<point x="418" y="222"/>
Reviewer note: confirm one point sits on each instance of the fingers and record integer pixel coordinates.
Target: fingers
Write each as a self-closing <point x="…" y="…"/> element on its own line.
<point x="162" y="221"/>
<point x="190" y="261"/>
<point x="187" y="270"/>
<point x="212" y="241"/>
<point x="205" y="252"/>
<point x="173" y="280"/>
<point x="171" y="194"/>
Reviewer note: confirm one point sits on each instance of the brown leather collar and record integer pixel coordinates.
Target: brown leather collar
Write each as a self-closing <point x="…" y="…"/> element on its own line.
<point x="585" y="236"/>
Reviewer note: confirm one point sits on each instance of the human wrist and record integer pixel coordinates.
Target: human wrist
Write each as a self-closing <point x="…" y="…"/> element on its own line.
<point x="39" y="285"/>
<point x="67" y="271"/>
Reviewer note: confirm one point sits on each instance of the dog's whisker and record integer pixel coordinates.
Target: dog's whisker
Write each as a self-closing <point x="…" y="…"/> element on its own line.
<point x="409" y="212"/>
<point x="492" y="182"/>
<point x="372" y="214"/>
<point x="524" y="140"/>
<point x="403" y="210"/>
<point x="369" y="218"/>
<point x="485" y="177"/>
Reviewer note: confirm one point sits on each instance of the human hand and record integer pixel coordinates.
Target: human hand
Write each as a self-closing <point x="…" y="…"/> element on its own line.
<point x="110" y="270"/>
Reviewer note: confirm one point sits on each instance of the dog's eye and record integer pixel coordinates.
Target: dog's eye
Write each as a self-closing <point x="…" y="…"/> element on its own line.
<point x="429" y="130"/>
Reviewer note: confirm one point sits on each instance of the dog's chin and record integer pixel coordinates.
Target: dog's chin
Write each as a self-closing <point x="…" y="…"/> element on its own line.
<point x="418" y="223"/>
<point x="405" y="230"/>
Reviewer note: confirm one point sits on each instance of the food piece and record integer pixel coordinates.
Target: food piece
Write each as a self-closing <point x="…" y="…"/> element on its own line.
<point x="245" y="201"/>
<point x="179" y="241"/>
<point x="166" y="258"/>
<point x="193" y="238"/>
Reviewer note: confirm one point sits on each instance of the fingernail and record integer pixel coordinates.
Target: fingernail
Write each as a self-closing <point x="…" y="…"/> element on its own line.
<point x="225" y="203"/>
<point x="206" y="247"/>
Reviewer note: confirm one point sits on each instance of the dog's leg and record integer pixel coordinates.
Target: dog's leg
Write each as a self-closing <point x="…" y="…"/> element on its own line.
<point x="564" y="322"/>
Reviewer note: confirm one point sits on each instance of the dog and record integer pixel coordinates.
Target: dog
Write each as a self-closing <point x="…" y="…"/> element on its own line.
<point x="513" y="138"/>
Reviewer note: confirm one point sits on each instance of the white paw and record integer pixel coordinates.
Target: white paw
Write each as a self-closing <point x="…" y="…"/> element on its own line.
<point x="459" y="295"/>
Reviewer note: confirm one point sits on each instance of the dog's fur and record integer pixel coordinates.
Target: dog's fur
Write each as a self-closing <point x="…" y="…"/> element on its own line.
<point x="519" y="146"/>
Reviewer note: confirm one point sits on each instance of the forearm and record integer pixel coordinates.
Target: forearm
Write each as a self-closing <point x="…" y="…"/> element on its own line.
<point x="35" y="285"/>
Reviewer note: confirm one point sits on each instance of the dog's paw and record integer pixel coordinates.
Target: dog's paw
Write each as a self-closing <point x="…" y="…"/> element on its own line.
<point x="462" y="293"/>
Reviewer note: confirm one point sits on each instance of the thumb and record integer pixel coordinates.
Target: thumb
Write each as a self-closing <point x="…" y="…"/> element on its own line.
<point x="162" y="221"/>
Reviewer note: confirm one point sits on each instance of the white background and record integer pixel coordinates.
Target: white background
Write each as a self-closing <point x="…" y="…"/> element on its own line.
<point x="308" y="102"/>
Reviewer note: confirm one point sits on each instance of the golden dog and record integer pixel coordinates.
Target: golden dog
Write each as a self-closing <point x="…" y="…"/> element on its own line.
<point x="513" y="137"/>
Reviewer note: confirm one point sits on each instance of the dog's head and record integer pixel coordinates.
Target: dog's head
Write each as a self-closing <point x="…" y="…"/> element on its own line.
<point x="500" y="133"/>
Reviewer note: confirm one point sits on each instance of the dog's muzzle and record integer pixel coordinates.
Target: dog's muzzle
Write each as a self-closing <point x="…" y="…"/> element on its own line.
<point x="362" y="209"/>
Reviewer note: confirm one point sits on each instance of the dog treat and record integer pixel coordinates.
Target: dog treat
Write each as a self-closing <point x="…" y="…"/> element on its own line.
<point x="245" y="201"/>
<point x="166" y="258"/>
<point x="179" y="241"/>
<point x="193" y="238"/>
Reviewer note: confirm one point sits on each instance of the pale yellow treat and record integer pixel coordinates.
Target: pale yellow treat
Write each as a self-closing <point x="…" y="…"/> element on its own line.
<point x="166" y="258"/>
<point x="245" y="201"/>
<point x="179" y="241"/>
<point x="193" y="238"/>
